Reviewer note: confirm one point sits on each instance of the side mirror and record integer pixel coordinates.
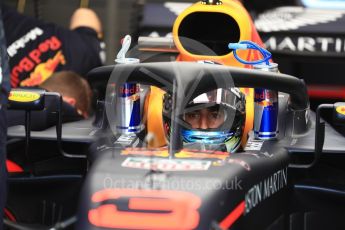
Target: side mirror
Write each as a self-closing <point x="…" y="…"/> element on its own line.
<point x="339" y="116"/>
<point x="28" y="99"/>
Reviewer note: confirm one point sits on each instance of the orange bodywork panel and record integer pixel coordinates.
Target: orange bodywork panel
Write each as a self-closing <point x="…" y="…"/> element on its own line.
<point x="235" y="10"/>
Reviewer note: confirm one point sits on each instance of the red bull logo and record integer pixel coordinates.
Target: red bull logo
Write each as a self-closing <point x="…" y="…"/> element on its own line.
<point x="266" y="113"/>
<point x="265" y="94"/>
<point x="129" y="104"/>
<point x="129" y="89"/>
<point x="44" y="70"/>
<point x="33" y="59"/>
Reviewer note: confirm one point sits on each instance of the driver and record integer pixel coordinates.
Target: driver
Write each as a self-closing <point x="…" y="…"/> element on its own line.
<point x="207" y="118"/>
<point x="211" y="121"/>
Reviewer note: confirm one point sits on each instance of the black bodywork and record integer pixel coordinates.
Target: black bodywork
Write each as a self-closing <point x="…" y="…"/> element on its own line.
<point x="266" y="185"/>
<point x="259" y="187"/>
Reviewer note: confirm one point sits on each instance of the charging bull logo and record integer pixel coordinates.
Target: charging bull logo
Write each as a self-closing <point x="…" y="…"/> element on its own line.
<point x="145" y="209"/>
<point x="44" y="70"/>
<point x="265" y="103"/>
<point x="134" y="97"/>
<point x="30" y="62"/>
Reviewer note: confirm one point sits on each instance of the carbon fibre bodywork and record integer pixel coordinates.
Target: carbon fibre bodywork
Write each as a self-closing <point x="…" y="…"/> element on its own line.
<point x="141" y="188"/>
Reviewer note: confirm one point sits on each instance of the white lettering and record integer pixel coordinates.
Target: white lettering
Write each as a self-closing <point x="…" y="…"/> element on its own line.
<point x="306" y="43"/>
<point x="267" y="191"/>
<point x="264" y="189"/>
<point x="271" y="43"/>
<point x="324" y="43"/>
<point x="20" y="43"/>
<point x="248" y="201"/>
<point x="274" y="183"/>
<point x="287" y="44"/>
<point x="338" y="45"/>
<point x="0" y="76"/>
<point x="258" y="192"/>
<point x="253" y="197"/>
<point x="284" y="182"/>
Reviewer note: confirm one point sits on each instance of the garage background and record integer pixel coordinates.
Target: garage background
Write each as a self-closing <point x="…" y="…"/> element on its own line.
<point x="118" y="16"/>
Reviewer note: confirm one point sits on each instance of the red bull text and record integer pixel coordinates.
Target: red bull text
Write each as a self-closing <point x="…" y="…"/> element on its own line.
<point x="128" y="104"/>
<point x="266" y="109"/>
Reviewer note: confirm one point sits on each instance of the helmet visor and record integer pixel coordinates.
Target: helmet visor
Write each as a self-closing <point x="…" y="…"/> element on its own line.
<point x="211" y="117"/>
<point x="212" y="110"/>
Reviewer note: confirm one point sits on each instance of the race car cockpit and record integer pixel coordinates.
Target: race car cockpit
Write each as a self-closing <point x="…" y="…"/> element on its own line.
<point x="172" y="146"/>
<point x="126" y="176"/>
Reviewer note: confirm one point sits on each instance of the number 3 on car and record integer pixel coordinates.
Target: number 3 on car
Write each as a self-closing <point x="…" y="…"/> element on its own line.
<point x="145" y="209"/>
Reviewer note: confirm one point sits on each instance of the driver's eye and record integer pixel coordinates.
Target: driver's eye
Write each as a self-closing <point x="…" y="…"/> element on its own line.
<point x="192" y="116"/>
<point x="215" y="115"/>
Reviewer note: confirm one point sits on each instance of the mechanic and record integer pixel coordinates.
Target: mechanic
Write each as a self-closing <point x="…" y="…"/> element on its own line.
<point x="38" y="49"/>
<point x="5" y="88"/>
<point x="74" y="90"/>
<point x="76" y="95"/>
<point x="211" y="121"/>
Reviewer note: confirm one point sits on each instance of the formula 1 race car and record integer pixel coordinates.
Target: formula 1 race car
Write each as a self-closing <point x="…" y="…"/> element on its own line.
<point x="170" y="174"/>
<point x="306" y="37"/>
<point x="276" y="184"/>
<point x="286" y="183"/>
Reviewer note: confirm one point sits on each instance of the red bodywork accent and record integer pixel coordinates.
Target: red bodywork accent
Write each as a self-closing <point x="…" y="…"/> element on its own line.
<point x="326" y="92"/>
<point x="233" y="216"/>
<point x="9" y="215"/>
<point x="146" y="209"/>
<point x="13" y="167"/>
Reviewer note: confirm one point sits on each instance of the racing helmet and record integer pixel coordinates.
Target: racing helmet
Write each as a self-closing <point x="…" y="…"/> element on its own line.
<point x="211" y="121"/>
